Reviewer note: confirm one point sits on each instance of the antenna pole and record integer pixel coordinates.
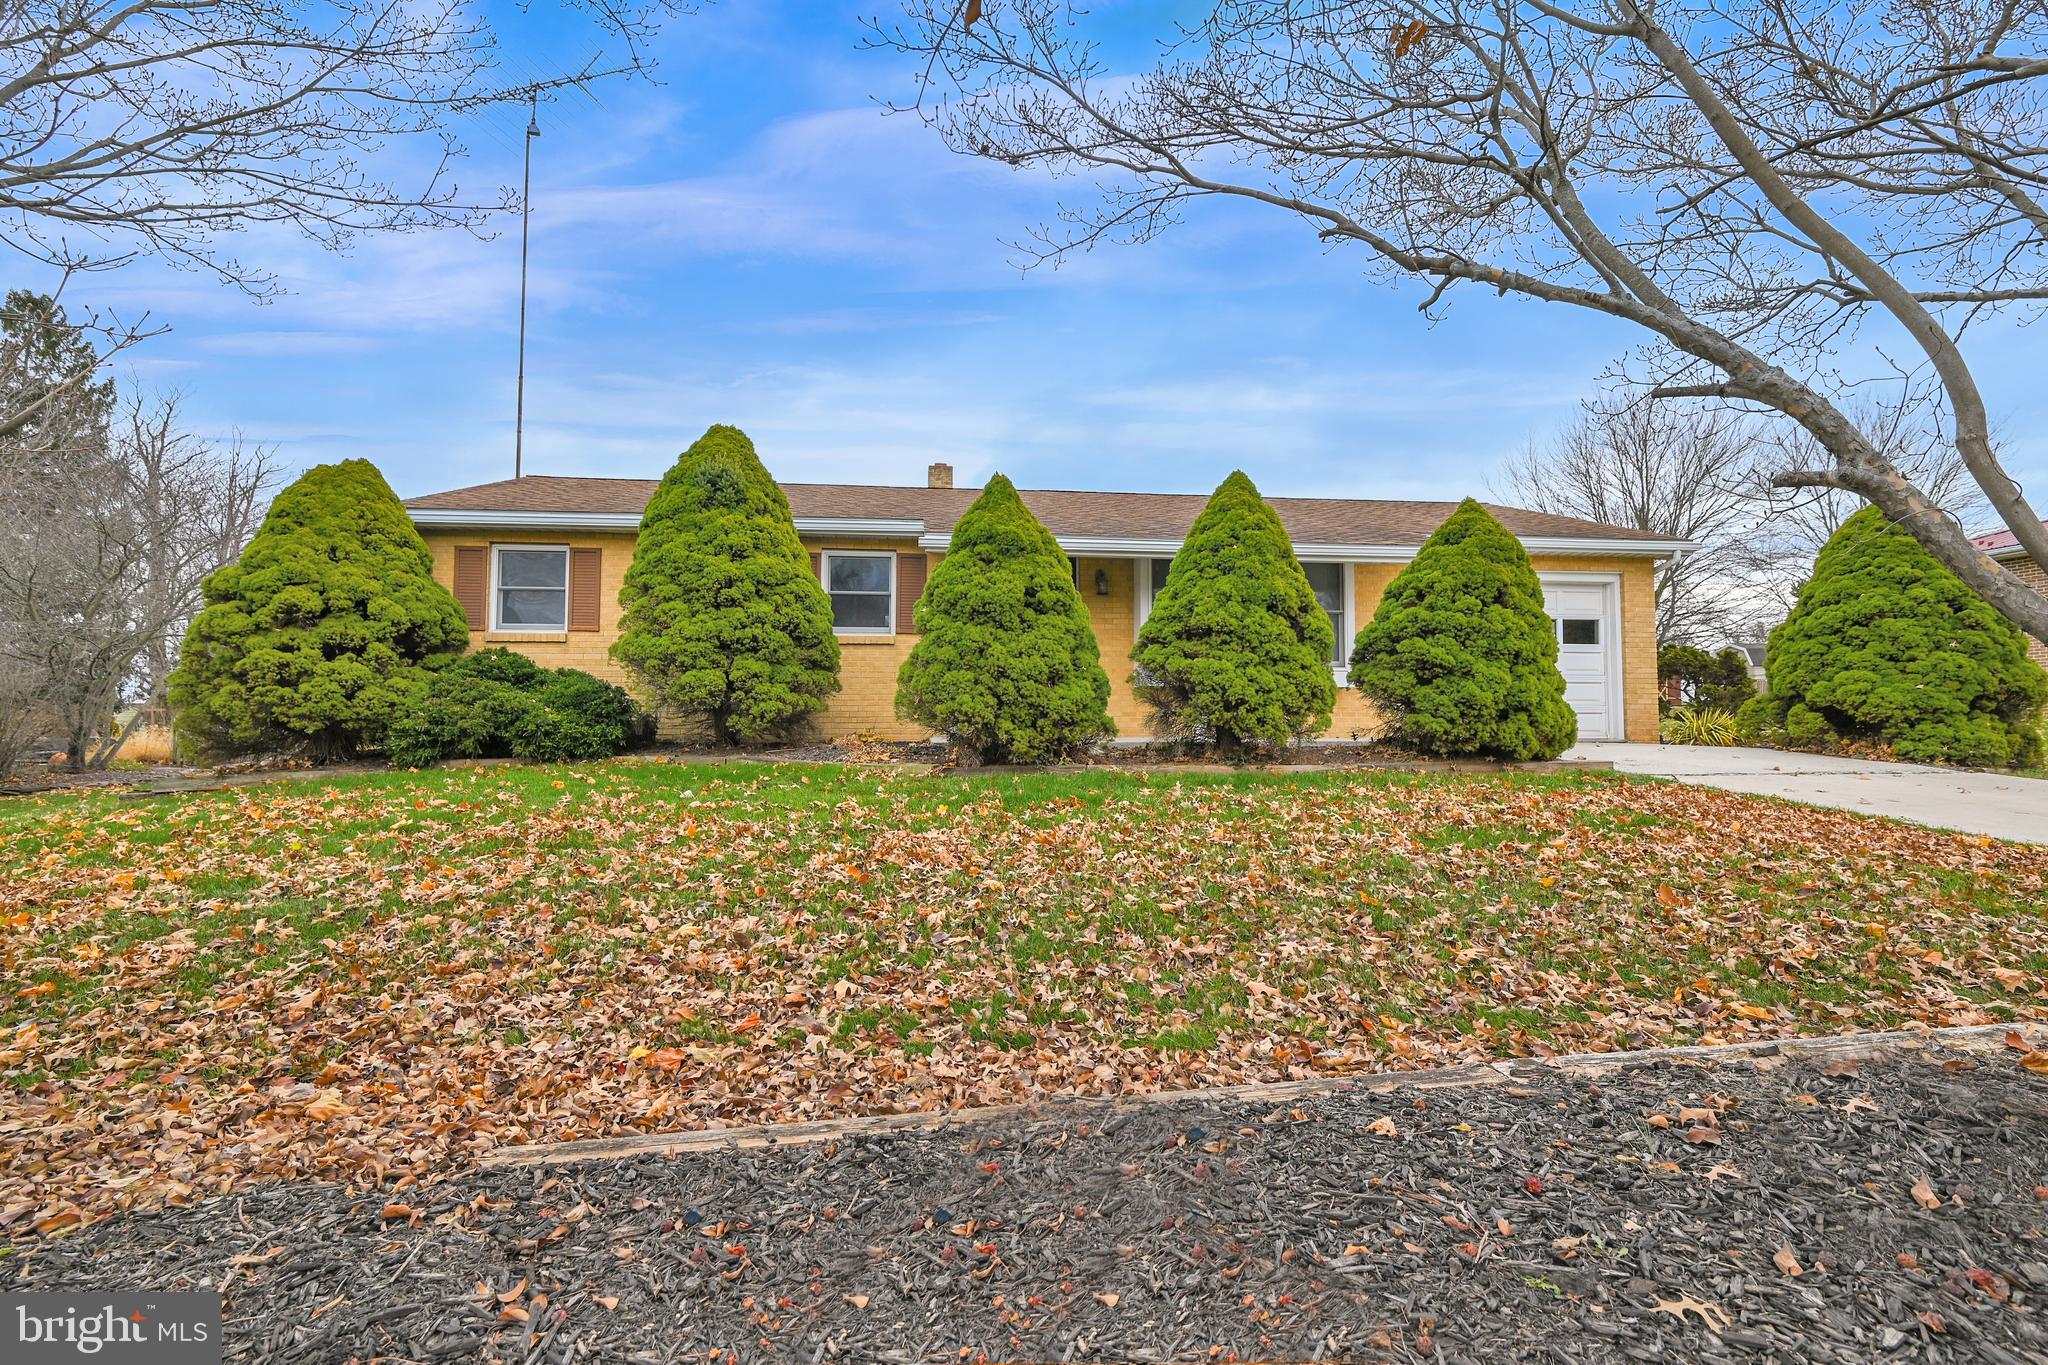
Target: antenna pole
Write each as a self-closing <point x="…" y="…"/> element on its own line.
<point x="525" y="210"/>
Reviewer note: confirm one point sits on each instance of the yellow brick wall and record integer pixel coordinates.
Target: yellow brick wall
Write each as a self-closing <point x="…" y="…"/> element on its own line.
<point x="866" y="704"/>
<point x="2036" y="578"/>
<point x="588" y="650"/>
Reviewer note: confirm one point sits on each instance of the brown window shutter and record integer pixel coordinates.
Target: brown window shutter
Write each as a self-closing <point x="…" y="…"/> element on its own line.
<point x="817" y="565"/>
<point x="586" y="581"/>
<point x="473" y="582"/>
<point x="910" y="575"/>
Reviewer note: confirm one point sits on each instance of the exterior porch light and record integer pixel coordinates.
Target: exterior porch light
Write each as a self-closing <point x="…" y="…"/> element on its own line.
<point x="1102" y="582"/>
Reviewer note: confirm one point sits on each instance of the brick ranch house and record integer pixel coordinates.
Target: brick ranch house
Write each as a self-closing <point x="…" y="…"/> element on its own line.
<point x="2004" y="547"/>
<point x="537" y="563"/>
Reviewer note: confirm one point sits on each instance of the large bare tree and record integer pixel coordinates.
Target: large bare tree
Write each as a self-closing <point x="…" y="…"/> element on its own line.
<point x="1699" y="471"/>
<point x="1682" y="470"/>
<point x="101" y="572"/>
<point x="1753" y="183"/>
<point x="157" y="126"/>
<point x="111" y="514"/>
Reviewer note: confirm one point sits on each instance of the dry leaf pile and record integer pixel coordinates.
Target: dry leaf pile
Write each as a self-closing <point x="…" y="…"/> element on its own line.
<point x="377" y="978"/>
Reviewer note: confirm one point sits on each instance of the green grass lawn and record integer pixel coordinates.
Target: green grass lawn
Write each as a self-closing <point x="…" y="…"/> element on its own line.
<point x="382" y="974"/>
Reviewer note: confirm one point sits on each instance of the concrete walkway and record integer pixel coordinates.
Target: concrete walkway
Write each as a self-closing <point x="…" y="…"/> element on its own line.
<point x="1946" y="798"/>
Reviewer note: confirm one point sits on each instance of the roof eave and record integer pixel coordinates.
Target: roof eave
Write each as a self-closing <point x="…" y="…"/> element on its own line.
<point x="456" y="518"/>
<point x="1120" y="546"/>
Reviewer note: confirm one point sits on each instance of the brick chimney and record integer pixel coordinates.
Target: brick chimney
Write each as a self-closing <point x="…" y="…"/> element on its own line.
<point x="940" y="475"/>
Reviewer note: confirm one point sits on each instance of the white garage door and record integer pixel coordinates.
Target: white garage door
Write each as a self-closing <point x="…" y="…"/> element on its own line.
<point x="1587" y="618"/>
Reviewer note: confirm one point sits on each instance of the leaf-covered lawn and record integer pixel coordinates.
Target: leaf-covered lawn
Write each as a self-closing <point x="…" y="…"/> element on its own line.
<point x="379" y="976"/>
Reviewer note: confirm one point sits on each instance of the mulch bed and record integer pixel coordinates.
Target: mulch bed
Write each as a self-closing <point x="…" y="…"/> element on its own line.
<point x="1776" y="1208"/>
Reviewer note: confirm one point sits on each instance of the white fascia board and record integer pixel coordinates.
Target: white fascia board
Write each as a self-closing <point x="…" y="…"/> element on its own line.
<point x="1587" y="545"/>
<point x="521" y="521"/>
<point x="2005" y="552"/>
<point x="861" y="526"/>
<point x="1117" y="547"/>
<point x="1109" y="546"/>
<point x="630" y="521"/>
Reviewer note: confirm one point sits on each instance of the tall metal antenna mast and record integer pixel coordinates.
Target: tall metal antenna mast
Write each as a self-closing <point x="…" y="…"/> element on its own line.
<point x="525" y="210"/>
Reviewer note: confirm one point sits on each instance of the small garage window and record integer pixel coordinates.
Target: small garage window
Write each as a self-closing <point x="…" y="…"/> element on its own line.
<point x="1579" y="630"/>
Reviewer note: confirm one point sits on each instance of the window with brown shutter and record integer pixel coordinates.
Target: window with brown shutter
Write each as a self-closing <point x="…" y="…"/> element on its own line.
<point x="586" y="580"/>
<point x="472" y="581"/>
<point x="910" y="576"/>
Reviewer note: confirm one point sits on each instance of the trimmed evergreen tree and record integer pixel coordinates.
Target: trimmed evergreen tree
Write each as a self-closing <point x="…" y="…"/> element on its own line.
<point x="322" y="632"/>
<point x="724" y="620"/>
<point x="1460" y="657"/>
<point x="1884" y="644"/>
<point x="1237" y="649"/>
<point x="1006" y="662"/>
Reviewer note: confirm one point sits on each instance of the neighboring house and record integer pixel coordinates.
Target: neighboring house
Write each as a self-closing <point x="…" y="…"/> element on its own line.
<point x="537" y="563"/>
<point x="1752" y="652"/>
<point x="2004" y="547"/>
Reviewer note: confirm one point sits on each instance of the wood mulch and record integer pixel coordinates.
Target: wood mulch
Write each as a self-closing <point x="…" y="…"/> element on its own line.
<point x="1804" y="1205"/>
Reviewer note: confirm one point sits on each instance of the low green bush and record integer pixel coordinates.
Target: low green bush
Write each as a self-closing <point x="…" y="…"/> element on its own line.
<point x="496" y="704"/>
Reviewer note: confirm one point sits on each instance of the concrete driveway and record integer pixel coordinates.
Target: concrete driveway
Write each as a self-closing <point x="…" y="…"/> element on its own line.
<point x="1946" y="798"/>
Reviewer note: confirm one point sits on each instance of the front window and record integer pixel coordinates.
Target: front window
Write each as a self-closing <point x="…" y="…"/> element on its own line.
<point x="532" y="588"/>
<point x="863" y="591"/>
<point x="1160" y="568"/>
<point x="1328" y="581"/>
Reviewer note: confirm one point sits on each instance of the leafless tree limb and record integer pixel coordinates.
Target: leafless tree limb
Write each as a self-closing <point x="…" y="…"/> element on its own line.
<point x="131" y="126"/>
<point x="1750" y="182"/>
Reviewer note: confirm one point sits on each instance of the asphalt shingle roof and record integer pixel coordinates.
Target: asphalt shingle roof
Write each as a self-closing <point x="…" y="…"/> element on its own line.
<point x="1065" y="512"/>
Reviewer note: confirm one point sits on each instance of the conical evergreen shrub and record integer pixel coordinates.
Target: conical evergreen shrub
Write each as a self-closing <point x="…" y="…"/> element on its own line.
<point x="1885" y="645"/>
<point x="724" y="620"/>
<point x="1006" y="662"/>
<point x="1237" y="650"/>
<point x="1460" y="657"/>
<point x="317" y="637"/>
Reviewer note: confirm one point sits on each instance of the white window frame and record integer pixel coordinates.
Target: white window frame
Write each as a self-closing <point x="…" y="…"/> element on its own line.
<point x="825" y="558"/>
<point x="1143" y="607"/>
<point x="1141" y="583"/>
<point x="498" y="627"/>
<point x="1348" y="576"/>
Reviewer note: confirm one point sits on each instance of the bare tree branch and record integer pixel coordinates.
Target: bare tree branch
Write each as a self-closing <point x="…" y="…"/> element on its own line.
<point x="158" y="125"/>
<point x="1750" y="182"/>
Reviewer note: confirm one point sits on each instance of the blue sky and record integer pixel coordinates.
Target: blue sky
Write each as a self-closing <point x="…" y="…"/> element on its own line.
<point x="751" y="241"/>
